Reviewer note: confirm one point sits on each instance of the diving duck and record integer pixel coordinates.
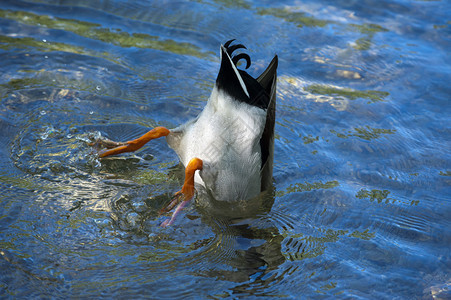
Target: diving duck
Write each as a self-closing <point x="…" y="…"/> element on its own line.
<point x="227" y="150"/>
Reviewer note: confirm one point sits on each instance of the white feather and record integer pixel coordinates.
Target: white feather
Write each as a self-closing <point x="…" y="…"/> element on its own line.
<point x="226" y="136"/>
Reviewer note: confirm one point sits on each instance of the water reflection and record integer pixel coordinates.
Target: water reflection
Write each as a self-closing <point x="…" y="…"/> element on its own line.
<point x="234" y="243"/>
<point x="95" y="31"/>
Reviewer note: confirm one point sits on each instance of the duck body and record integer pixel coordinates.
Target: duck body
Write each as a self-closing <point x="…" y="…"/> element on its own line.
<point x="228" y="134"/>
<point x="223" y="136"/>
<point x="227" y="150"/>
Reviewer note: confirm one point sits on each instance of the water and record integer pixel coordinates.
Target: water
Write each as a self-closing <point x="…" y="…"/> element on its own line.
<point x="361" y="203"/>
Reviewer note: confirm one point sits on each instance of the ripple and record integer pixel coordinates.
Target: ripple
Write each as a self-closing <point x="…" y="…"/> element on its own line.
<point x="48" y="152"/>
<point x="283" y="220"/>
<point x="407" y="227"/>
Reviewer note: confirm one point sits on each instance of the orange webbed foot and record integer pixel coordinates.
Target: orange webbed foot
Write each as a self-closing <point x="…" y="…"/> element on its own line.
<point x="176" y="199"/>
<point x="182" y="197"/>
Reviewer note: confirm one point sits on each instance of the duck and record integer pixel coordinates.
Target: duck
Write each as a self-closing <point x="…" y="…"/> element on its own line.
<point x="228" y="149"/>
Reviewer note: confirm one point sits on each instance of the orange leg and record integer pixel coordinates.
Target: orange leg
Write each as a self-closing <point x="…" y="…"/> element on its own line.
<point x="132" y="145"/>
<point x="186" y="194"/>
<point x="188" y="186"/>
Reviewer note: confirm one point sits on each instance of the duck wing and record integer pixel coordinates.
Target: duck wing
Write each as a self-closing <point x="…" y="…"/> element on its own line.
<point x="259" y="92"/>
<point x="268" y="80"/>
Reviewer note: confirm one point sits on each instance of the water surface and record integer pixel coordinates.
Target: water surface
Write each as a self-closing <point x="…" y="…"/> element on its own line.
<point x="361" y="202"/>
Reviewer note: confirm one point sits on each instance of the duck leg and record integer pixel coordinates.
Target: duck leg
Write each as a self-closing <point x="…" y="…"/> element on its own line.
<point x="182" y="197"/>
<point x="113" y="148"/>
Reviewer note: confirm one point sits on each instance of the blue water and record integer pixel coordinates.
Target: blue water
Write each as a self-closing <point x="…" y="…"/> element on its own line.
<point x="361" y="206"/>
